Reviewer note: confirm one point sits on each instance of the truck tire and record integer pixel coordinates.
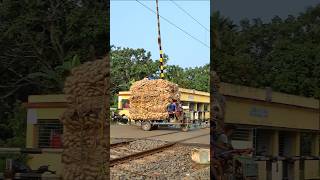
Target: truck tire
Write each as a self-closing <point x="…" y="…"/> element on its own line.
<point x="146" y="125"/>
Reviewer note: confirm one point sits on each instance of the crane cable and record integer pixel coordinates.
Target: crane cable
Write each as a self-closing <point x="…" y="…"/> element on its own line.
<point x="159" y="42"/>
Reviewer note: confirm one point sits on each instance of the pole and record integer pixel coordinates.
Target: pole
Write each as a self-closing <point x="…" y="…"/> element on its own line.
<point x="159" y="42"/>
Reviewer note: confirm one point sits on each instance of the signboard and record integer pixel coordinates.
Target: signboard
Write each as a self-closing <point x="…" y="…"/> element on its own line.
<point x="259" y="112"/>
<point x="190" y="97"/>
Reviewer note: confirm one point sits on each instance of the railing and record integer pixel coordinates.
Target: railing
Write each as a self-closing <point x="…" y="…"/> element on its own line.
<point x="49" y="133"/>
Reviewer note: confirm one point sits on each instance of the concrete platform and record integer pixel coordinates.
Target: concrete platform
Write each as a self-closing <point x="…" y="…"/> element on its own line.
<point x="166" y="134"/>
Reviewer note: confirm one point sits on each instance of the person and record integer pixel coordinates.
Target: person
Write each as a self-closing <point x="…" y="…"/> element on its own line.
<point x="222" y="149"/>
<point x="151" y="78"/>
<point x="171" y="109"/>
<point x="222" y="141"/>
<point x="126" y="105"/>
<point x="179" y="109"/>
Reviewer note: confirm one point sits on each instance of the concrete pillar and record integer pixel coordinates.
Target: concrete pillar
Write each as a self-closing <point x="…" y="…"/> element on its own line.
<point x="195" y="106"/>
<point x="296" y="170"/>
<point x="276" y="167"/>
<point x="311" y="169"/>
<point x="296" y="152"/>
<point x="276" y="172"/>
<point x="262" y="170"/>
<point x="202" y="111"/>
<point x="315" y="145"/>
<point x="119" y="102"/>
<point x="274" y="143"/>
<point x="315" y="152"/>
<point x="32" y="130"/>
<point x="296" y="144"/>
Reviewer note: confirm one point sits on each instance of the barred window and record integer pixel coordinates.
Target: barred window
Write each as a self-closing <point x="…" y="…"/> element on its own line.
<point x="184" y="103"/>
<point x="192" y="106"/>
<point x="49" y="133"/>
<point x="206" y="107"/>
<point x="241" y="134"/>
<point x="306" y="144"/>
<point x="125" y="103"/>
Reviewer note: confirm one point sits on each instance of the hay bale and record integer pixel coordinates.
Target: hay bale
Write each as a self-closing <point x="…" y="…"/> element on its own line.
<point x="150" y="98"/>
<point x="85" y="138"/>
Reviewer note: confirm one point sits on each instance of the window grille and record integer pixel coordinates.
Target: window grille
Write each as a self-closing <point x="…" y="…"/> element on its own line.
<point x="206" y="107"/>
<point x="49" y="133"/>
<point x="281" y="144"/>
<point x="241" y="134"/>
<point x="306" y="144"/>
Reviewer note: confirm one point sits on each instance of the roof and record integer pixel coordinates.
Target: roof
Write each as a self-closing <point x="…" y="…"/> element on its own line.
<point x="46" y="101"/>
<point x="261" y="94"/>
<point x="229" y="90"/>
<point x="47" y="98"/>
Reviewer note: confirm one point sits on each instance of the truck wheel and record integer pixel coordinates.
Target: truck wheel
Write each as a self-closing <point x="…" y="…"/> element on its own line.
<point x="146" y="125"/>
<point x="184" y="128"/>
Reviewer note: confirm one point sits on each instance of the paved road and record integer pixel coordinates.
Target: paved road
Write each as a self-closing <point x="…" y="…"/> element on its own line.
<point x="126" y="131"/>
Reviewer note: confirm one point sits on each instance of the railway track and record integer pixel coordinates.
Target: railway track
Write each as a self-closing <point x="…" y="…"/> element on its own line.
<point x="133" y="155"/>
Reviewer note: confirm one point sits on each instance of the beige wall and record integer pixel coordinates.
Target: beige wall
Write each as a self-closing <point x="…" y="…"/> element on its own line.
<point x="50" y="157"/>
<point x="238" y="111"/>
<point x="312" y="170"/>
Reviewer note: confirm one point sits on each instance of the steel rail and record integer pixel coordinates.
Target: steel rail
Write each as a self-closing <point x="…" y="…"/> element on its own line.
<point x="141" y="154"/>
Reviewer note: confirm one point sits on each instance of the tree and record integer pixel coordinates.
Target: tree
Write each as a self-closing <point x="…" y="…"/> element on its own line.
<point x="283" y="53"/>
<point x="129" y="65"/>
<point x="40" y="41"/>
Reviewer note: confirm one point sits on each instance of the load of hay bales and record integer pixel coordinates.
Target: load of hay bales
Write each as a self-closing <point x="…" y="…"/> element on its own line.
<point x="150" y="98"/>
<point x="86" y="135"/>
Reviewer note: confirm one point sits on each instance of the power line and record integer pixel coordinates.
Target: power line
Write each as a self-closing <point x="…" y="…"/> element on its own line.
<point x="174" y="25"/>
<point x="189" y="15"/>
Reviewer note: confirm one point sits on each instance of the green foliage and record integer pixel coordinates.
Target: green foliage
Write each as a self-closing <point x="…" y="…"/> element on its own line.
<point x="40" y="41"/>
<point x="283" y="54"/>
<point x="129" y="65"/>
<point x="15" y="131"/>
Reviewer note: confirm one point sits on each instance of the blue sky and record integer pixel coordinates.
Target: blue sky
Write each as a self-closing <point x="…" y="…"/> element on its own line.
<point x="134" y="26"/>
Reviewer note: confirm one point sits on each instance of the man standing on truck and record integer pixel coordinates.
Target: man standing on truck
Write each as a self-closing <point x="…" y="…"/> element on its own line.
<point x="172" y="109"/>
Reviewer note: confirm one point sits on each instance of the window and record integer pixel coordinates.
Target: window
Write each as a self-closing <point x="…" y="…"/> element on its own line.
<point x="198" y="107"/>
<point x="191" y="106"/>
<point x="206" y="107"/>
<point x="241" y="134"/>
<point x="49" y="133"/>
<point x="306" y="144"/>
<point x="184" y="103"/>
<point x="261" y="140"/>
<point x="125" y="103"/>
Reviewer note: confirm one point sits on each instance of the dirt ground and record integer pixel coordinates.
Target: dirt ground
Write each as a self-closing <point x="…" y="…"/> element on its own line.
<point x="130" y="131"/>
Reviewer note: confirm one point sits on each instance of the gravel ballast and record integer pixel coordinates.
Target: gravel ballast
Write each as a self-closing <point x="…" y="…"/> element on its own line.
<point x="172" y="163"/>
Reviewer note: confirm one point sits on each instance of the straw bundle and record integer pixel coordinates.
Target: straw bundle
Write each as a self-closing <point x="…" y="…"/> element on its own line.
<point x="150" y="98"/>
<point x="85" y="139"/>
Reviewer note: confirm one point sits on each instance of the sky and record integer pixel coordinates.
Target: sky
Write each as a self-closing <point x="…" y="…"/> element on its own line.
<point x="134" y="26"/>
<point x="265" y="9"/>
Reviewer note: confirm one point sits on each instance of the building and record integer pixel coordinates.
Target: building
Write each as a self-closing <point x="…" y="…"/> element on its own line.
<point x="283" y="129"/>
<point x="43" y="113"/>
<point x="197" y="101"/>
